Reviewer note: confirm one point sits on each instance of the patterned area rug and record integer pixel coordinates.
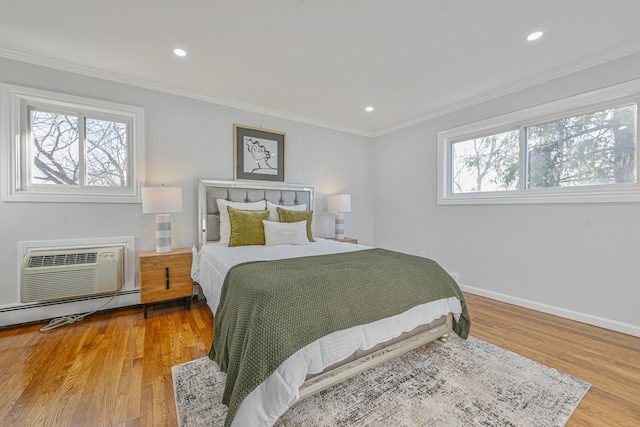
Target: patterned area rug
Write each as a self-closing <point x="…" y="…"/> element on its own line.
<point x="458" y="383"/>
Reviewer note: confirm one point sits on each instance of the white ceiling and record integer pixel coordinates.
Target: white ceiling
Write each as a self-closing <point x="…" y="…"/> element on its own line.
<point x="323" y="61"/>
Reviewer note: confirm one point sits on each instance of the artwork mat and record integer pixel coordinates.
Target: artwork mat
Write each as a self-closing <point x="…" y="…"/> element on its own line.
<point x="241" y="155"/>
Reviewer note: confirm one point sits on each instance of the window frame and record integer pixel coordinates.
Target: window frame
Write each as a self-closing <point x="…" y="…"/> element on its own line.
<point x="17" y="104"/>
<point x="608" y="97"/>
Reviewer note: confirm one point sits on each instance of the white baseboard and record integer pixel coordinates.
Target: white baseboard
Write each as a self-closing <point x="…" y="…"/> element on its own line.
<point x="589" y="319"/>
<point x="17" y="314"/>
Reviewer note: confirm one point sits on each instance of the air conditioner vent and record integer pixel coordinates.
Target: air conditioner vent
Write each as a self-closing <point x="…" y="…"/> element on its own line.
<point x="60" y="274"/>
<point x="63" y="259"/>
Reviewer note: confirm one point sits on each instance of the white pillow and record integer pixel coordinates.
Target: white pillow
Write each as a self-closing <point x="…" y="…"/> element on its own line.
<point x="285" y="233"/>
<point x="273" y="213"/>
<point x="225" y="222"/>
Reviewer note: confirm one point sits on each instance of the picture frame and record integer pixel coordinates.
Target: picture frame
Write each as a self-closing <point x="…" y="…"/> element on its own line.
<point x="258" y="154"/>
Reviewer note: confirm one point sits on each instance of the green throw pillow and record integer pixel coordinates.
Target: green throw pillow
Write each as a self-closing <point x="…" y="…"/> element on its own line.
<point x="287" y="215"/>
<point x="246" y="227"/>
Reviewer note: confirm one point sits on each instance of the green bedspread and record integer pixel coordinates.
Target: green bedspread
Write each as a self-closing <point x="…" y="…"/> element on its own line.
<point x="271" y="309"/>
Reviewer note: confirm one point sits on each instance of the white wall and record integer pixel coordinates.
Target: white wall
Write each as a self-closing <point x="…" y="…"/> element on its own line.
<point x="185" y="139"/>
<point x="576" y="260"/>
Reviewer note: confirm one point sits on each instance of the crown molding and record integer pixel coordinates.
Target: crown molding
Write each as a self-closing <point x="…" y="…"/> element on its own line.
<point x="147" y="84"/>
<point x="574" y="67"/>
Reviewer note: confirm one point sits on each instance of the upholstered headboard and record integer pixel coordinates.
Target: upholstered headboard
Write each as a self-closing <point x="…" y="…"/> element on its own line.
<point x="209" y="191"/>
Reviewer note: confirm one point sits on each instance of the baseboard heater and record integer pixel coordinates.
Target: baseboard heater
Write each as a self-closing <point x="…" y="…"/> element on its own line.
<point x="70" y="273"/>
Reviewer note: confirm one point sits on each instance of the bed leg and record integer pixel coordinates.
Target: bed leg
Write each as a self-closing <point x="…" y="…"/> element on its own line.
<point x="444" y="338"/>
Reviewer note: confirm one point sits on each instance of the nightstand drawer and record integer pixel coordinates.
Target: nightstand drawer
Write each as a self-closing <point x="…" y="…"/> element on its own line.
<point x="160" y="272"/>
<point x="156" y="267"/>
<point x="156" y="289"/>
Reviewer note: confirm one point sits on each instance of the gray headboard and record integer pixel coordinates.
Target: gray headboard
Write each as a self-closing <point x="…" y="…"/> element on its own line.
<point x="209" y="191"/>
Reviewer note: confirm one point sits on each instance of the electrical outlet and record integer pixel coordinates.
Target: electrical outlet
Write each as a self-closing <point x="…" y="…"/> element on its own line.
<point x="423" y="254"/>
<point x="454" y="275"/>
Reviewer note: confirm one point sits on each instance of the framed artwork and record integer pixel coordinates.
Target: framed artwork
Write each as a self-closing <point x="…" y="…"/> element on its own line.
<point x="258" y="154"/>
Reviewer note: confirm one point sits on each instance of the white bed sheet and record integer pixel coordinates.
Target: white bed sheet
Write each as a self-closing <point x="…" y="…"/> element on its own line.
<point x="271" y="399"/>
<point x="216" y="259"/>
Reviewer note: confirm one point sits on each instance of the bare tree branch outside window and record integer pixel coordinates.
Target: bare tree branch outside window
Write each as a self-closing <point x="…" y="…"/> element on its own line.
<point x="56" y="147"/>
<point x="106" y="153"/>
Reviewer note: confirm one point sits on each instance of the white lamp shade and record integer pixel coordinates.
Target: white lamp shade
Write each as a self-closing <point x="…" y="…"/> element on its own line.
<point x="339" y="203"/>
<point x="161" y="199"/>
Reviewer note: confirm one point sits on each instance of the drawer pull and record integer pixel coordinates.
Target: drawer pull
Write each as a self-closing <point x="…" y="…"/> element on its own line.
<point x="167" y="276"/>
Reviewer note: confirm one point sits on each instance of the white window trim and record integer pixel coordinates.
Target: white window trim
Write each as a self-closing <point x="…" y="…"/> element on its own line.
<point x="13" y="187"/>
<point x="611" y="193"/>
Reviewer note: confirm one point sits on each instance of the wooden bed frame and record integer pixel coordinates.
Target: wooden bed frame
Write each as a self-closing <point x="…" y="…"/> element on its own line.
<point x="292" y="194"/>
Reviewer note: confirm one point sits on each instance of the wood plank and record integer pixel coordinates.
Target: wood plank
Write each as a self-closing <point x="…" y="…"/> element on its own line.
<point x="114" y="368"/>
<point x="606" y="359"/>
<point x="96" y="372"/>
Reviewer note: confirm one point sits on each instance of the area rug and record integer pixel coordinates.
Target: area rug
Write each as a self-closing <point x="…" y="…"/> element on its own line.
<point x="458" y="383"/>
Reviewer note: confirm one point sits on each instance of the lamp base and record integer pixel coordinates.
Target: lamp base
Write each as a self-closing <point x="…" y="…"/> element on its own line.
<point x="163" y="233"/>
<point x="339" y="225"/>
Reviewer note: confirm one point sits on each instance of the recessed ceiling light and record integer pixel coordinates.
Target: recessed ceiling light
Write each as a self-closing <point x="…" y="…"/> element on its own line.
<point x="180" y="52"/>
<point x="368" y="109"/>
<point x="534" y="36"/>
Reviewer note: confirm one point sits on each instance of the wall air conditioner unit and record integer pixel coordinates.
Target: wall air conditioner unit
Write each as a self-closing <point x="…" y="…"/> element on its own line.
<point x="70" y="273"/>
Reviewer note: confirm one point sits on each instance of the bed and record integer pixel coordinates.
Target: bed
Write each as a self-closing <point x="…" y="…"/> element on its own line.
<point x="313" y="342"/>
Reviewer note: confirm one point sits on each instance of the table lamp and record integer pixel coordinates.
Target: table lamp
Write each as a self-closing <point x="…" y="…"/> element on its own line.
<point x="162" y="201"/>
<point x="338" y="204"/>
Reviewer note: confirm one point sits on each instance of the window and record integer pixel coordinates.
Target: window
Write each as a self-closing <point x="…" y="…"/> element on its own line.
<point x="489" y="163"/>
<point x="590" y="149"/>
<point x="575" y="150"/>
<point x="64" y="148"/>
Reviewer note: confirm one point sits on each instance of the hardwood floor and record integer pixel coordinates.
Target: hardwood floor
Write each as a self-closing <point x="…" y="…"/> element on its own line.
<point x="114" y="368"/>
<point x="111" y="369"/>
<point x="610" y="361"/>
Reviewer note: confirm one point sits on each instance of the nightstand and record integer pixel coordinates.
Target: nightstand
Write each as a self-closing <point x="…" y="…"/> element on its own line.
<point x="345" y="240"/>
<point x="165" y="276"/>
